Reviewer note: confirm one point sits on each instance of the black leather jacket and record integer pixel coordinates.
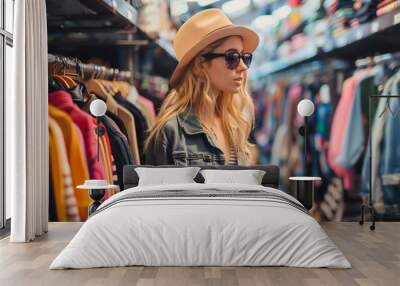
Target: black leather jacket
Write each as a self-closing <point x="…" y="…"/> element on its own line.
<point x="183" y="142"/>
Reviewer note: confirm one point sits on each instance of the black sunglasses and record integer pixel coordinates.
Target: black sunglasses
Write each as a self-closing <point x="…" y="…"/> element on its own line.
<point x="232" y="58"/>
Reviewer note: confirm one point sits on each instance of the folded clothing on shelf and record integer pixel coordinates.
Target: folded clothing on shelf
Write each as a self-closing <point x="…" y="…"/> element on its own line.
<point x="365" y="11"/>
<point x="384" y="3"/>
<point x="389" y="7"/>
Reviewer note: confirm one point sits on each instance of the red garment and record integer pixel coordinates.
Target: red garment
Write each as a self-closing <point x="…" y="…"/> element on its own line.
<point x="63" y="100"/>
<point x="294" y="96"/>
<point x="339" y="122"/>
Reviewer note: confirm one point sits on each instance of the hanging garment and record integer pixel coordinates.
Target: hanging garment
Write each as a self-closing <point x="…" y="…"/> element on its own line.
<point x="107" y="167"/>
<point x="76" y="157"/>
<point x="323" y="119"/>
<point x="140" y="122"/>
<point x="146" y="114"/>
<point x="64" y="195"/>
<point x="119" y="111"/>
<point x="119" y="147"/>
<point x="52" y="200"/>
<point x="357" y="126"/>
<point x="390" y="147"/>
<point x="157" y="101"/>
<point x="353" y="141"/>
<point x="83" y="156"/>
<point x="149" y="106"/>
<point x="115" y="175"/>
<point x="63" y="101"/>
<point x="122" y="87"/>
<point x="120" y="124"/>
<point x="339" y="122"/>
<point x="115" y="118"/>
<point x="106" y="155"/>
<point x="57" y="176"/>
<point x="134" y="97"/>
<point x="378" y="125"/>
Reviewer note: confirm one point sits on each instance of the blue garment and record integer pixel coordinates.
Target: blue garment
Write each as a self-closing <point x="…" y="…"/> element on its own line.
<point x="377" y="129"/>
<point x="323" y="120"/>
<point x="390" y="147"/>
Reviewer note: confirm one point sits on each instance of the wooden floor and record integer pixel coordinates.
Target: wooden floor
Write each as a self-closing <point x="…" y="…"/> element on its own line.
<point x="374" y="255"/>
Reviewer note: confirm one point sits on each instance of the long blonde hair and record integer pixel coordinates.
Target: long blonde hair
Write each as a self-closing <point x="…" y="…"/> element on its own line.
<point x="235" y="110"/>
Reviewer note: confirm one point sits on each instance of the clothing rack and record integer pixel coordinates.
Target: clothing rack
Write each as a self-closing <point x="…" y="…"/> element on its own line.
<point x="74" y="67"/>
<point x="369" y="205"/>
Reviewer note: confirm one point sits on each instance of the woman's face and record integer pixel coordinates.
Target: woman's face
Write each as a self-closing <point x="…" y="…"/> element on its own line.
<point x="222" y="78"/>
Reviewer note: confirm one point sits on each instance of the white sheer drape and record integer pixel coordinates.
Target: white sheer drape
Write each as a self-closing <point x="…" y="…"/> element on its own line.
<point x="26" y="124"/>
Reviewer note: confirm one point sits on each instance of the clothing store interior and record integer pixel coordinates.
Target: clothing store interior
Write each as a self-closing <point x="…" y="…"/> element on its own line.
<point x="85" y="82"/>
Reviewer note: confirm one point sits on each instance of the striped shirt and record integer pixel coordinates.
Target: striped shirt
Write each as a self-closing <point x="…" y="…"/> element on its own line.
<point x="233" y="157"/>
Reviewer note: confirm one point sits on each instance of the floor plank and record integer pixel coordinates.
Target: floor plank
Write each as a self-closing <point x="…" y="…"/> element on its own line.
<point x="374" y="255"/>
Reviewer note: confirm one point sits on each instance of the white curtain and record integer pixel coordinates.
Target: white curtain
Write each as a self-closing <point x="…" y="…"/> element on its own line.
<point x="26" y="124"/>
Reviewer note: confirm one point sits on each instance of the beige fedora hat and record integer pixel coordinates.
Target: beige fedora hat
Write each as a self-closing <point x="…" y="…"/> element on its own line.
<point x="201" y="30"/>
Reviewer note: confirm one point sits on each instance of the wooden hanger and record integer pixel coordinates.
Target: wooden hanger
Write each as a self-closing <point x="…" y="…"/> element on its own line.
<point x="71" y="83"/>
<point x="60" y="80"/>
<point x="96" y="87"/>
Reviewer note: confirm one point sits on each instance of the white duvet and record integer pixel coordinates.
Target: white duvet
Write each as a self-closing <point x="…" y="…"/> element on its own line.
<point x="190" y="230"/>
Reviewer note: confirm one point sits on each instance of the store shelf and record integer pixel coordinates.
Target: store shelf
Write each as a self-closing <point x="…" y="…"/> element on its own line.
<point x="106" y="21"/>
<point x="90" y="15"/>
<point x="297" y="30"/>
<point x="379" y="36"/>
<point x="124" y="9"/>
<point x="285" y="63"/>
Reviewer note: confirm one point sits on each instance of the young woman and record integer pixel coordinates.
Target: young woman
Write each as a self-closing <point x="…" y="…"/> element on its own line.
<point x="207" y="117"/>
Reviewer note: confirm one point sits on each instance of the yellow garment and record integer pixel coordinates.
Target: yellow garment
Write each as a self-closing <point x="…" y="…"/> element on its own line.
<point x="56" y="173"/>
<point x="77" y="160"/>
<point x="123" y="87"/>
<point x="69" y="197"/>
<point x="106" y="165"/>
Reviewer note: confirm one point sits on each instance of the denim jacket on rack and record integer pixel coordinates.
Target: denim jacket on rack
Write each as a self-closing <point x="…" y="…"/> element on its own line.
<point x="390" y="147"/>
<point x="385" y="147"/>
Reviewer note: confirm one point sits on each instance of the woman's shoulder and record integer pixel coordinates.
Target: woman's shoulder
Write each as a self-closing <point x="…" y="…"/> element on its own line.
<point x="170" y="127"/>
<point x="171" y="124"/>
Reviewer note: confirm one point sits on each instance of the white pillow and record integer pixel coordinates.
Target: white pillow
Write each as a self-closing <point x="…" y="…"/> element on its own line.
<point x="248" y="177"/>
<point x="163" y="176"/>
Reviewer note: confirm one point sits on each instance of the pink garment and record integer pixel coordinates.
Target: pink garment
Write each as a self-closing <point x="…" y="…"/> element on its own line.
<point x="294" y="96"/>
<point x="149" y="105"/>
<point x="63" y="101"/>
<point x="339" y="123"/>
<point x="81" y="145"/>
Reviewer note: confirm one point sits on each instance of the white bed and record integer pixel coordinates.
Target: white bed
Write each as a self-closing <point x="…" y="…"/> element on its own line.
<point x="222" y="225"/>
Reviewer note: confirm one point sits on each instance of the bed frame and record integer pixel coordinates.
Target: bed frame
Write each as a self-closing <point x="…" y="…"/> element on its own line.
<point x="270" y="179"/>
